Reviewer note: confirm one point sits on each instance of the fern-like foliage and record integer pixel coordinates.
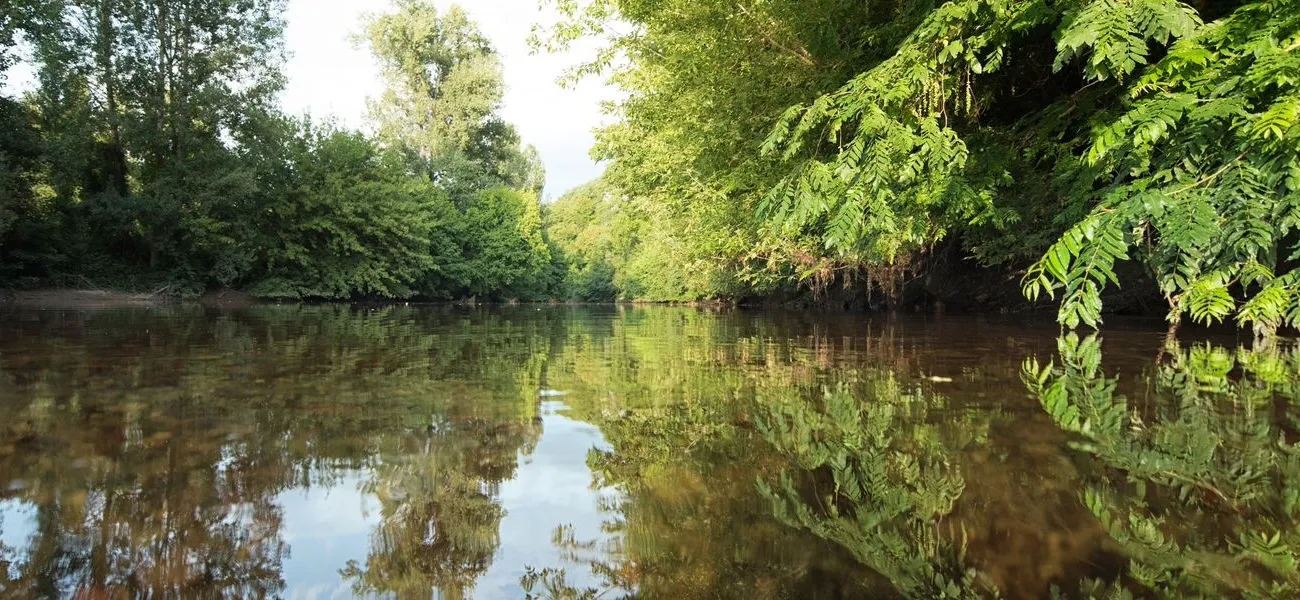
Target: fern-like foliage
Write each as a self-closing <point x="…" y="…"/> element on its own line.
<point x="883" y="164"/>
<point x="1113" y="35"/>
<point x="1204" y="167"/>
<point x="894" y="161"/>
<point x="1200" y="488"/>
<point x="872" y="477"/>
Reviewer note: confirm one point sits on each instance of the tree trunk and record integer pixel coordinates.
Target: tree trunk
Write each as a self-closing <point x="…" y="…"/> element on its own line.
<point x="115" y="169"/>
<point x="165" y="83"/>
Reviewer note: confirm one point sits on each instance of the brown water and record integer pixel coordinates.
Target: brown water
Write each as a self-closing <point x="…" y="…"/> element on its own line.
<point x="332" y="451"/>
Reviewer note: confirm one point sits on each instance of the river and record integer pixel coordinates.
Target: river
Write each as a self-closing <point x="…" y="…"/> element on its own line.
<point x="658" y="452"/>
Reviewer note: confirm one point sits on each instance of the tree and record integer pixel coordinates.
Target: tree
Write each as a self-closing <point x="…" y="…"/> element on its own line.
<point x="704" y="81"/>
<point x="493" y="249"/>
<point x="875" y="142"/>
<point x="1203" y="180"/>
<point x="443" y="91"/>
<point x="349" y="222"/>
<point x="138" y="102"/>
<point x="197" y="71"/>
<point x="19" y="163"/>
<point x="580" y="225"/>
<point x="151" y="155"/>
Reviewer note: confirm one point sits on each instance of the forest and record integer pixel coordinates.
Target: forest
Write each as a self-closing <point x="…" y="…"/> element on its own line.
<point x="975" y="153"/>
<point x="153" y="155"/>
<point x="1096" y="156"/>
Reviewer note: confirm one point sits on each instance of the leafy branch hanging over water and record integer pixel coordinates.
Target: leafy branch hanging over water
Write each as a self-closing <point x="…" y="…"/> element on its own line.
<point x="1204" y="169"/>
<point x="1070" y="145"/>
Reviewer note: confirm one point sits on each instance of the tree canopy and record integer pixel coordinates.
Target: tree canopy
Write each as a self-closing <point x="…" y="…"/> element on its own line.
<point x="151" y="154"/>
<point x="988" y="154"/>
<point x="1068" y="144"/>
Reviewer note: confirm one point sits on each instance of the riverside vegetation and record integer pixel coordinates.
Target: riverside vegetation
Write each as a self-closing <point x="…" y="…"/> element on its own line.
<point x="982" y="154"/>
<point x="151" y="153"/>
<point x="953" y="150"/>
<point x="975" y="153"/>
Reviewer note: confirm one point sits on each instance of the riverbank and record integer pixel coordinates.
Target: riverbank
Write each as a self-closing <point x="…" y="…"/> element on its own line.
<point x="959" y="289"/>
<point x="79" y="298"/>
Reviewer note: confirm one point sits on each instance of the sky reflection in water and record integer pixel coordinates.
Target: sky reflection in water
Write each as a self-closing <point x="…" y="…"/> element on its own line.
<point x="323" y="452"/>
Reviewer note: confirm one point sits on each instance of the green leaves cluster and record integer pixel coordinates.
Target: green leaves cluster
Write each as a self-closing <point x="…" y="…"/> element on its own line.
<point x="350" y="221"/>
<point x="589" y="235"/>
<point x="1205" y="189"/>
<point x="610" y="245"/>
<point x="899" y="155"/>
<point x="150" y="155"/>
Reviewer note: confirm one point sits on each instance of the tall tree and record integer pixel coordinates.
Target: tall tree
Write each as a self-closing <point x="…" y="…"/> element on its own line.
<point x="19" y="162"/>
<point x="21" y="150"/>
<point x="199" y="72"/>
<point x="139" y="101"/>
<point x="444" y="88"/>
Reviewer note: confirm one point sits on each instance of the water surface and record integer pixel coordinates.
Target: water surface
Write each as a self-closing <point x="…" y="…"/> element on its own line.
<point x="333" y="451"/>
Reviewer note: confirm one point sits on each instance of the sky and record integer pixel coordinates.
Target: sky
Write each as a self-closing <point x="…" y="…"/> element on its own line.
<point x="329" y="75"/>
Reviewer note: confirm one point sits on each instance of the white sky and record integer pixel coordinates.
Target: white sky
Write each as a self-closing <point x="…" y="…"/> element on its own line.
<point x="328" y="75"/>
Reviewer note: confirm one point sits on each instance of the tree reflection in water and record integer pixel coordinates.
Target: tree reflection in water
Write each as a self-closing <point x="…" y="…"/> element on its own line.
<point x="439" y="511"/>
<point x="1196" y="480"/>
<point x="753" y="455"/>
<point x="1189" y="492"/>
<point x="1195" y="486"/>
<point x="153" y="449"/>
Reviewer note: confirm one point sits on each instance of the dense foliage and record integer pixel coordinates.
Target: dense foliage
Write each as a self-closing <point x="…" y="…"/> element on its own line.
<point x="613" y="247"/>
<point x="977" y="153"/>
<point x="787" y="142"/>
<point x="151" y="154"/>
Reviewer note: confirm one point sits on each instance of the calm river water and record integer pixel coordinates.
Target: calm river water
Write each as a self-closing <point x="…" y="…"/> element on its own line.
<point x="651" y="452"/>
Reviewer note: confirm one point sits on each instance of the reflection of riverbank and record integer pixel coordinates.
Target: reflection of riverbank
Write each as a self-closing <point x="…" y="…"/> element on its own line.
<point x="338" y="450"/>
<point x="1191" y="491"/>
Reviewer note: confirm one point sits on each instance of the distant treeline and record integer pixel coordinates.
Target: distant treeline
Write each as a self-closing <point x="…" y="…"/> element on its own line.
<point x="151" y="155"/>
